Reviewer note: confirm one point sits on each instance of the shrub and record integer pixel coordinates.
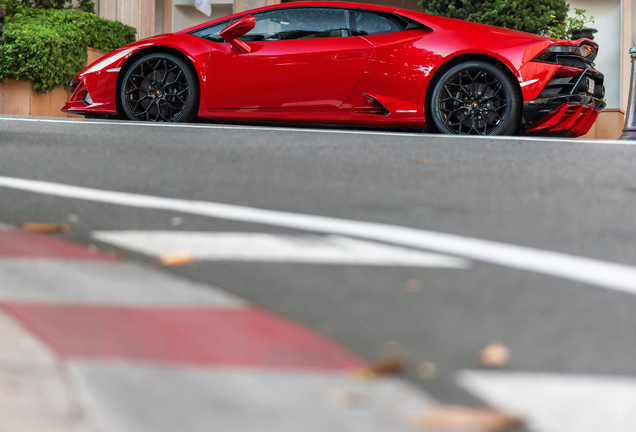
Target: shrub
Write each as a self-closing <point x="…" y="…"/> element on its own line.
<point x="534" y="16"/>
<point x="565" y="29"/>
<point x="83" y="5"/>
<point x="48" y="46"/>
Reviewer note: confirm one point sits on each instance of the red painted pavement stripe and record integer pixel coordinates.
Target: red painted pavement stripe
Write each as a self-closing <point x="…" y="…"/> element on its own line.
<point x="247" y="337"/>
<point x="20" y="244"/>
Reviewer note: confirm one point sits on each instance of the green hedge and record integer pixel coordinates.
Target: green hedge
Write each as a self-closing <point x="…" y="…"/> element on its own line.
<point x="534" y="16"/>
<point x="48" y="46"/>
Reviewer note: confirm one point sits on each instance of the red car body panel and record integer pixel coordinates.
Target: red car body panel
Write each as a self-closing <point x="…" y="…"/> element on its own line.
<point x="287" y="74"/>
<point x="368" y="80"/>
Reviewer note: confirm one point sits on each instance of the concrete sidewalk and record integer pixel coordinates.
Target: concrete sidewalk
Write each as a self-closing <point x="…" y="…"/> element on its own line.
<point x="93" y="343"/>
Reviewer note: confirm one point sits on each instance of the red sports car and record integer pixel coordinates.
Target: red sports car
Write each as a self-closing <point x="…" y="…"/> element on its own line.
<point x="350" y="63"/>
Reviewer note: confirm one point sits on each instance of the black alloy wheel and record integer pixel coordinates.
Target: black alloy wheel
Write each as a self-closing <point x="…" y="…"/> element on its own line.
<point x="476" y="98"/>
<point x="160" y="87"/>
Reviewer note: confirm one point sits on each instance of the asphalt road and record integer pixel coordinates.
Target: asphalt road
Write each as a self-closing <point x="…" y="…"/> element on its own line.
<point x="573" y="197"/>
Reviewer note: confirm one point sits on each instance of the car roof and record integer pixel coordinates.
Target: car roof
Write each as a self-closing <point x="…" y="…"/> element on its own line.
<point x="434" y="22"/>
<point x="332" y="4"/>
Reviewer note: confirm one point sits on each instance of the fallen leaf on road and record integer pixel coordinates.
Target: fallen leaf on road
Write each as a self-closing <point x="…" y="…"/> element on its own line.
<point x="382" y="367"/>
<point x="119" y="252"/>
<point x="426" y="370"/>
<point x="344" y="397"/>
<point x="45" y="227"/>
<point x="495" y="355"/>
<point x="414" y="285"/>
<point x="462" y="418"/>
<point x="392" y="349"/>
<point x="11" y="385"/>
<point x="176" y="258"/>
<point x="422" y="161"/>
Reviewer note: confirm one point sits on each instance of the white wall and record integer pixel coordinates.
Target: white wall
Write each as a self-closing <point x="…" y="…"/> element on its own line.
<point x="185" y="15"/>
<point x="136" y="13"/>
<point x="607" y="17"/>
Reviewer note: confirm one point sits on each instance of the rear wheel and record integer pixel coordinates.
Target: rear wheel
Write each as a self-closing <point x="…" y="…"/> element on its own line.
<point x="160" y="87"/>
<point x="476" y="98"/>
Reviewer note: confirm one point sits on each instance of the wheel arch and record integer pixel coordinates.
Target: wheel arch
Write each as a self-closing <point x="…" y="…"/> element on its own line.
<point x="141" y="53"/>
<point x="462" y="58"/>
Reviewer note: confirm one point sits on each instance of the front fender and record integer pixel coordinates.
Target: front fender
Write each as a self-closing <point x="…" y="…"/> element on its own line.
<point x="100" y="78"/>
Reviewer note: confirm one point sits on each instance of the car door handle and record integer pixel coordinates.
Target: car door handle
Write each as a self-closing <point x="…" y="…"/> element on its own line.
<point x="351" y="55"/>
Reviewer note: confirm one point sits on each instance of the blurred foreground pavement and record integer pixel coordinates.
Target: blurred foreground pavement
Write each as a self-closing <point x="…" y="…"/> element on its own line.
<point x="93" y="343"/>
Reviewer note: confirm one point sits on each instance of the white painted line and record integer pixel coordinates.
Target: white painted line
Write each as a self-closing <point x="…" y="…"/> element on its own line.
<point x="243" y="400"/>
<point x="38" y="393"/>
<point x="558" y="403"/>
<point x="261" y="247"/>
<point x="113" y="283"/>
<point x="21" y="348"/>
<point x="423" y="136"/>
<point x="591" y="271"/>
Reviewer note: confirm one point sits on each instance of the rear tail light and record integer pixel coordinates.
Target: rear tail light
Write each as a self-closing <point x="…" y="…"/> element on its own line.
<point x="586" y="51"/>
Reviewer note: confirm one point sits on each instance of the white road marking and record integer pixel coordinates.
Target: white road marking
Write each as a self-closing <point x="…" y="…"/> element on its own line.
<point x="243" y="399"/>
<point x="591" y="271"/>
<point x="314" y="249"/>
<point x="324" y="131"/>
<point x="558" y="403"/>
<point x="41" y="396"/>
<point x="113" y="283"/>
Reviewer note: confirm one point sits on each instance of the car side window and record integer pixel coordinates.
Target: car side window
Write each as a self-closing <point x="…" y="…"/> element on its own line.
<point x="369" y="23"/>
<point x="299" y="23"/>
<point x="212" y="32"/>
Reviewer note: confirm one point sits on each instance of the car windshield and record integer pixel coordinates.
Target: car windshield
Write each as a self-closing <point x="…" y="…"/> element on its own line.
<point x="212" y="32"/>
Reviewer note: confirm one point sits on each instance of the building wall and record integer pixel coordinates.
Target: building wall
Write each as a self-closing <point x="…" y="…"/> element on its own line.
<point x="136" y="13"/>
<point x="180" y="14"/>
<point x="607" y="17"/>
<point x="185" y="15"/>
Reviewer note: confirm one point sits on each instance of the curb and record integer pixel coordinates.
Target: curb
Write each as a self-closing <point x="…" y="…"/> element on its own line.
<point x="131" y="348"/>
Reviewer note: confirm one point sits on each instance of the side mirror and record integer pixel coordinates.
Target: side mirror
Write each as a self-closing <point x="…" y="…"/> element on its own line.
<point x="238" y="28"/>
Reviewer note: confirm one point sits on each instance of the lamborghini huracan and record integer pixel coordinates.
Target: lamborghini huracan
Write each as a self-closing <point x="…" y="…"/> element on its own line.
<point x="351" y="64"/>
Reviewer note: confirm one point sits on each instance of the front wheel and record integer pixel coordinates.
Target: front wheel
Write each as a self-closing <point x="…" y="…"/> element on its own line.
<point x="476" y="98"/>
<point x="160" y="87"/>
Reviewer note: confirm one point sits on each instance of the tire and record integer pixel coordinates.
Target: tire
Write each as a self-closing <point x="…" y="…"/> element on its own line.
<point x="476" y="98"/>
<point x="160" y="87"/>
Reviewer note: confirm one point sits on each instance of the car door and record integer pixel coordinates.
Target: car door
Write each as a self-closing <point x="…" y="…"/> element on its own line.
<point x="302" y="57"/>
<point x="401" y="63"/>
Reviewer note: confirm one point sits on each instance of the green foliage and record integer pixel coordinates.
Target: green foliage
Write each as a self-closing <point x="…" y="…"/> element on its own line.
<point x="82" y="5"/>
<point x="534" y="16"/>
<point x="10" y="7"/>
<point x="564" y="29"/>
<point x="48" y="46"/>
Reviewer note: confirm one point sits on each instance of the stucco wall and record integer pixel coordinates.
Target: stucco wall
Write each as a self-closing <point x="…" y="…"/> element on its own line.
<point x="607" y="17"/>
